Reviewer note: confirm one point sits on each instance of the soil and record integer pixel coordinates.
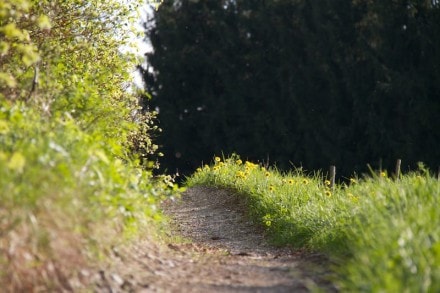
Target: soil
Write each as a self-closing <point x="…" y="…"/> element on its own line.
<point x="226" y="252"/>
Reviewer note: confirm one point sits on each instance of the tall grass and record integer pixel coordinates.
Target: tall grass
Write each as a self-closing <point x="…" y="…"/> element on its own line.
<point x="383" y="233"/>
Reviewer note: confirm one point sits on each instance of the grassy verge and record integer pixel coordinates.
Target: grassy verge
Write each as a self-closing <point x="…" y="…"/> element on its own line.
<point x="65" y="200"/>
<point x="384" y="234"/>
<point x="75" y="149"/>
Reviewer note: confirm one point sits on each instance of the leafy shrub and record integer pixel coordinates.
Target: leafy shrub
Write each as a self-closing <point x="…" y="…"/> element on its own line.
<point x="70" y="185"/>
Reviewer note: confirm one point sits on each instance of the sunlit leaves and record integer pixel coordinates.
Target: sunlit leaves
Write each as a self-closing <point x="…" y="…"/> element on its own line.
<point x="67" y="123"/>
<point x="7" y="80"/>
<point x="10" y="31"/>
<point x="17" y="49"/>
<point x="44" y="22"/>
<point x="17" y="162"/>
<point x="29" y="54"/>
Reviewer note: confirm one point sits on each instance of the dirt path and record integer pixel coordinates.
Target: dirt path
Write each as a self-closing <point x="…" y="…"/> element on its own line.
<point x="227" y="253"/>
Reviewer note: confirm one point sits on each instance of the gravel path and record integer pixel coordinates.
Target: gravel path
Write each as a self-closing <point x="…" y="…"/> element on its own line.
<point x="227" y="253"/>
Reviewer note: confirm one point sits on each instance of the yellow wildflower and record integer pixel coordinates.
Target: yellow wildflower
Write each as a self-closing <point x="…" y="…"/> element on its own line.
<point x="353" y="197"/>
<point x="250" y="165"/>
<point x="290" y="181"/>
<point x="239" y="162"/>
<point x="267" y="220"/>
<point x="240" y="174"/>
<point x="327" y="182"/>
<point x="217" y="159"/>
<point x="328" y="193"/>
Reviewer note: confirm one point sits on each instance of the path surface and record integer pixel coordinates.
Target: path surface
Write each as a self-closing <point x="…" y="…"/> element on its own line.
<point x="227" y="253"/>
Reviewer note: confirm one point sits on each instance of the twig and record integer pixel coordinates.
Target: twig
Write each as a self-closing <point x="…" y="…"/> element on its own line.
<point x="34" y="82"/>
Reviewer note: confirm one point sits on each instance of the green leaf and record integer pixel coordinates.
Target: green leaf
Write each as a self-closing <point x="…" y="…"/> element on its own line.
<point x="102" y="156"/>
<point x="7" y="80"/>
<point x="30" y="54"/>
<point x="4" y="127"/>
<point x="17" y="162"/>
<point x="11" y="31"/>
<point x="44" y="22"/>
<point x="4" y="48"/>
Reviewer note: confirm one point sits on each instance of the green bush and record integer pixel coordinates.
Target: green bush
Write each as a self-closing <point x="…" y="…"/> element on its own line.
<point x="73" y="152"/>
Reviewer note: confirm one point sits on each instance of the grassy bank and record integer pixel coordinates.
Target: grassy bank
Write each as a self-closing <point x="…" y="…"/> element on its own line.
<point x="66" y="199"/>
<point x="76" y="152"/>
<point x="383" y="233"/>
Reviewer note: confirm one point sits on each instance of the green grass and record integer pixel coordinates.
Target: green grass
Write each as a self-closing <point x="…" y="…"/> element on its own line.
<point x="384" y="234"/>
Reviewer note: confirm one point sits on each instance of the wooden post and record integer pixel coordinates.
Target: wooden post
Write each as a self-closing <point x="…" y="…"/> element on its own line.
<point x="332" y="176"/>
<point x="438" y="173"/>
<point x="398" y="163"/>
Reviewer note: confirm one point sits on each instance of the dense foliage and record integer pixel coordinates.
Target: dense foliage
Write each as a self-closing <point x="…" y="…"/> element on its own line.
<point x="382" y="235"/>
<point x="71" y="186"/>
<point x="313" y="83"/>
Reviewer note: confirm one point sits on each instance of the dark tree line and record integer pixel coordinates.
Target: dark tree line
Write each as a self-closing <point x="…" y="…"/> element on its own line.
<point x="311" y="83"/>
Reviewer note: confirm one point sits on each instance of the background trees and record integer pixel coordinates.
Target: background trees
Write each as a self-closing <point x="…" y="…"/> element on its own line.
<point x="311" y="83"/>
